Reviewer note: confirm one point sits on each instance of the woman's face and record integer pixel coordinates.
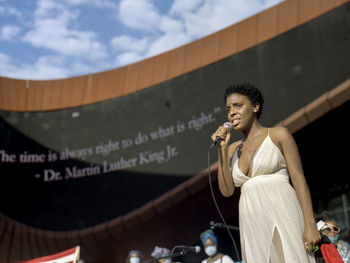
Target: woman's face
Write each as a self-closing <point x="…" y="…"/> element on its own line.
<point x="240" y="111"/>
<point x="209" y="242"/>
<point x="210" y="247"/>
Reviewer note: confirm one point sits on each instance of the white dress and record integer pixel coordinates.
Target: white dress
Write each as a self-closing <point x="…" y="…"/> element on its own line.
<point x="270" y="217"/>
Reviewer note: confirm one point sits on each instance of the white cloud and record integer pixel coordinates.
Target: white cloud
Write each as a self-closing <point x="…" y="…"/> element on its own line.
<point x="8" y="32"/>
<point x="212" y="16"/>
<point x="4" y="60"/>
<point x="168" y="34"/>
<point x="9" y="11"/>
<point x="53" y="34"/>
<point x="184" y="6"/>
<point x="47" y="67"/>
<point x="51" y="31"/>
<point x="96" y="3"/>
<point x="138" y="14"/>
<point x="128" y="58"/>
<point x="167" y="42"/>
<point x="162" y="32"/>
<point x="203" y="17"/>
<point x="46" y="8"/>
<point x="170" y="25"/>
<point x="44" y="68"/>
<point x="146" y="31"/>
<point x="186" y="21"/>
<point x="129" y="43"/>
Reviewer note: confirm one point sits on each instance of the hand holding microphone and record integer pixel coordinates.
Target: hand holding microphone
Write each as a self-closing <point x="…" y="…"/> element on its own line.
<point x="222" y="135"/>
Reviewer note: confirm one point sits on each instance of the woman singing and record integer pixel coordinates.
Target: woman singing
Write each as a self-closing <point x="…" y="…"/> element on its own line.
<point x="275" y="218"/>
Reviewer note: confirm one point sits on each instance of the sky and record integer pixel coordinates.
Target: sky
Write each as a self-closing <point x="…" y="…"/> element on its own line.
<point x="52" y="39"/>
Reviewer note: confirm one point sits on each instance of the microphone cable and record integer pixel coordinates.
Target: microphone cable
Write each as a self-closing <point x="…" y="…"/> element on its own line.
<point x="218" y="209"/>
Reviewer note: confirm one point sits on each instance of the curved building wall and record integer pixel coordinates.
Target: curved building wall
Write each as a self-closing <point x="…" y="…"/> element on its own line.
<point x="28" y="95"/>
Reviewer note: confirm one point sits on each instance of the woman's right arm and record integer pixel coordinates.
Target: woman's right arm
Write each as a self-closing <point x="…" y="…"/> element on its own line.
<point x="225" y="152"/>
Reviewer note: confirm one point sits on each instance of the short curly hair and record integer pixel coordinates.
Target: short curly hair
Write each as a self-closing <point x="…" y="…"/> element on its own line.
<point x="248" y="90"/>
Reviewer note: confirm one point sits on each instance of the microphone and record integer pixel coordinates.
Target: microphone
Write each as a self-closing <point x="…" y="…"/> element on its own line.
<point x="228" y="126"/>
<point x="222" y="226"/>
<point x="195" y="249"/>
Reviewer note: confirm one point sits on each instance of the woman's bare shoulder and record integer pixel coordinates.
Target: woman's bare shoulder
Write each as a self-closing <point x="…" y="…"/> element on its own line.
<point x="279" y="132"/>
<point x="281" y="136"/>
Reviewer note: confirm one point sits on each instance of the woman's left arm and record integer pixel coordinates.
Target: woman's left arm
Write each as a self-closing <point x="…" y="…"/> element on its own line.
<point x="291" y="154"/>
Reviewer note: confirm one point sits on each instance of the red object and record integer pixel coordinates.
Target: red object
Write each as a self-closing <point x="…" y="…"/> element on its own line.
<point x="330" y="253"/>
<point x="67" y="256"/>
